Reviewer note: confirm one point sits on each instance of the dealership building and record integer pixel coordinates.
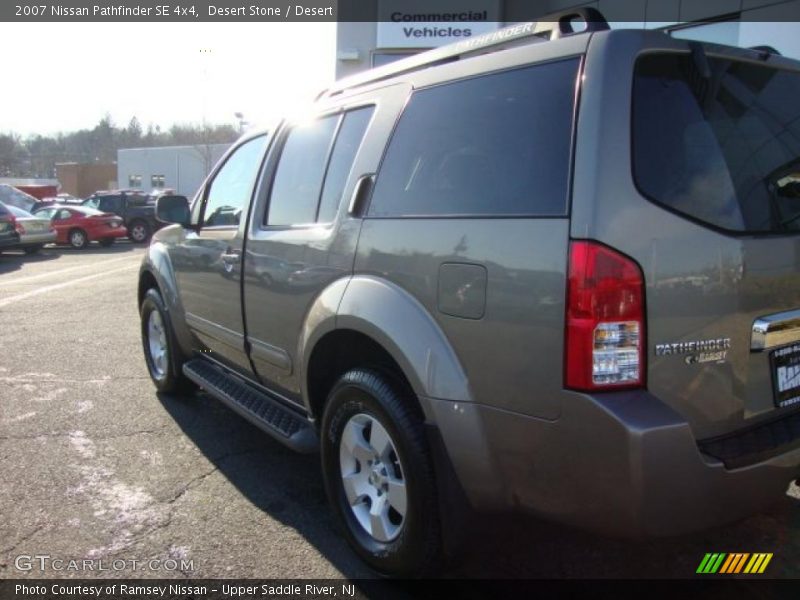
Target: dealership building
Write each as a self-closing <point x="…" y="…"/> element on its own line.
<point x="399" y="28"/>
<point x="179" y="168"/>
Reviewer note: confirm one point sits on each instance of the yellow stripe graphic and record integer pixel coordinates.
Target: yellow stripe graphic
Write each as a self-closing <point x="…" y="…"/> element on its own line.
<point x="741" y="562"/>
<point x="765" y="563"/>
<point x="756" y="558"/>
<point x="727" y="563"/>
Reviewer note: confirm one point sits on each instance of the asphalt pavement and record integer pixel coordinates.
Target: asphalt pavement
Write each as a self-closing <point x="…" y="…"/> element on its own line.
<point x="96" y="466"/>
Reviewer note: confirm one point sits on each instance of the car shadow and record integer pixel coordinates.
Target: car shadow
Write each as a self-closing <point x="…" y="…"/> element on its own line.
<point x="280" y="482"/>
<point x="289" y="487"/>
<point x="119" y="247"/>
<point x="11" y="260"/>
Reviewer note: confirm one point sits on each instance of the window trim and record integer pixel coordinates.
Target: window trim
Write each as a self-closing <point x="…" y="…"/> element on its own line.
<point x="581" y="62"/>
<point x="203" y="199"/>
<point x="280" y="143"/>
<point x="280" y="147"/>
<point x="732" y="233"/>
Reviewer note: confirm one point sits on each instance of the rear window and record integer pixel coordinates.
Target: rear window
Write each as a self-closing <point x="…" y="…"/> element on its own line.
<point x="723" y="150"/>
<point x="85" y="210"/>
<point x="493" y="145"/>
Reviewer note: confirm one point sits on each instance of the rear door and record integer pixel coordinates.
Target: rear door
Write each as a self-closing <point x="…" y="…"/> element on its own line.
<point x="302" y="237"/>
<point x="711" y="213"/>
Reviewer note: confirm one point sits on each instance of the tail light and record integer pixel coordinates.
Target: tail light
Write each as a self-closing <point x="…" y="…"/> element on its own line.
<point x="19" y="227"/>
<point x="605" y="336"/>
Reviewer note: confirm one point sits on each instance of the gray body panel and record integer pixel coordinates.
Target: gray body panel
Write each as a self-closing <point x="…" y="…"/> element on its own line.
<point x="524" y="304"/>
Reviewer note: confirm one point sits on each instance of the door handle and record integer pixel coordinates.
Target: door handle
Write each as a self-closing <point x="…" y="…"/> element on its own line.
<point x="232" y="257"/>
<point x="360" y="193"/>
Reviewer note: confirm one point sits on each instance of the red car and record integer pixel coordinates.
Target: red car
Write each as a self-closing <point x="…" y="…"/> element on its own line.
<point x="79" y="225"/>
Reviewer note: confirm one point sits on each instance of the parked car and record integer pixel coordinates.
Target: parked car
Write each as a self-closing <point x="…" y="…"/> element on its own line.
<point x="136" y="211"/>
<point x="34" y="231"/>
<point x="11" y="196"/>
<point x="8" y="233"/>
<point x="477" y="236"/>
<point x="79" y="225"/>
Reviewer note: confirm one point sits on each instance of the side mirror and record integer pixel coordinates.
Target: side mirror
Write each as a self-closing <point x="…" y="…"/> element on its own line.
<point x="173" y="209"/>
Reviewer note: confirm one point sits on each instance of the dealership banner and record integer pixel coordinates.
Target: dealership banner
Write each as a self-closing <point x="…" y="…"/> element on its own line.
<point x="404" y="23"/>
<point x="424" y="24"/>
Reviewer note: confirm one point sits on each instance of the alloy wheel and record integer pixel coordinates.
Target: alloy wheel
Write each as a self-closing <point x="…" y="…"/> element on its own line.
<point x="372" y="477"/>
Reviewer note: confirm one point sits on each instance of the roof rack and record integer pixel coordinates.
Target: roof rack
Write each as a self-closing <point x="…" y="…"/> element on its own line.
<point x="551" y="27"/>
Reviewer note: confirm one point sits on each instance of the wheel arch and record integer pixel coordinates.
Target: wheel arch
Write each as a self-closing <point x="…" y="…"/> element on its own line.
<point x="157" y="272"/>
<point x="376" y="320"/>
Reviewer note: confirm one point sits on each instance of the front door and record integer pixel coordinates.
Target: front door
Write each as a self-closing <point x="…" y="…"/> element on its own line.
<point x="207" y="263"/>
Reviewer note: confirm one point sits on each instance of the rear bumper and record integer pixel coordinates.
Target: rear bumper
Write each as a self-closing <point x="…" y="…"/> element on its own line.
<point x="34" y="239"/>
<point x="102" y="234"/>
<point x="619" y="464"/>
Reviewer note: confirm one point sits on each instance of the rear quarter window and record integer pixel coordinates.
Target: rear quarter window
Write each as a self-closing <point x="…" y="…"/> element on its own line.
<point x="494" y="145"/>
<point x="722" y="150"/>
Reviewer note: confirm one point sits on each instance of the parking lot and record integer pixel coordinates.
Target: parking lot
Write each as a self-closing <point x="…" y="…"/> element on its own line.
<point x="96" y="465"/>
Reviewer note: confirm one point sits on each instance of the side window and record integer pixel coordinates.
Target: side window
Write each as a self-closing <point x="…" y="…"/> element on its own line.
<point x="229" y="192"/>
<point x="348" y="141"/>
<point x="46" y="213"/>
<point x="63" y="215"/>
<point x="111" y="204"/>
<point x="295" y="192"/>
<point x="92" y="202"/>
<point x="494" y="145"/>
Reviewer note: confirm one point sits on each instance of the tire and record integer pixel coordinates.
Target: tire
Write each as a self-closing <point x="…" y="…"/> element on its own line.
<point x="106" y="242"/>
<point x="78" y="239"/>
<point x="165" y="370"/>
<point x="361" y="404"/>
<point x="139" y="232"/>
<point x="32" y="249"/>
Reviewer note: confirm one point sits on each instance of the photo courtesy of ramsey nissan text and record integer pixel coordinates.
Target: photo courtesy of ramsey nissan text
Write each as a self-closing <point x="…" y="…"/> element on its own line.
<point x="399" y="298"/>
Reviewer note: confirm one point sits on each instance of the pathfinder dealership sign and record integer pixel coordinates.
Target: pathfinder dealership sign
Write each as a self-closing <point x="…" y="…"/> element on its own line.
<point x="425" y="24"/>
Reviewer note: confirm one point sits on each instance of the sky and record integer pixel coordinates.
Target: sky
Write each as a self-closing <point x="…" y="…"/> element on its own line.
<point x="68" y="76"/>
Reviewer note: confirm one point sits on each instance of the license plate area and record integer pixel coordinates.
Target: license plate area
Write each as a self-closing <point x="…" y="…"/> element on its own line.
<point x="785" y="367"/>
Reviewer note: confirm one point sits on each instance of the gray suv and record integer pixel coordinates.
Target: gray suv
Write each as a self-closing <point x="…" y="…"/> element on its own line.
<point x="542" y="269"/>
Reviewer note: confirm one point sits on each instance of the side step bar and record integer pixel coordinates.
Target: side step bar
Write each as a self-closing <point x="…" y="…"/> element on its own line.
<point x="264" y="412"/>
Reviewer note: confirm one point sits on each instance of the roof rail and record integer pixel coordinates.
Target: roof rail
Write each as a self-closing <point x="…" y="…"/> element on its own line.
<point x="551" y="27"/>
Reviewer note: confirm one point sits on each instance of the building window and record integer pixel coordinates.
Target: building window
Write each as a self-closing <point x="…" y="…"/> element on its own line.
<point x="135" y="181"/>
<point x="157" y="181"/>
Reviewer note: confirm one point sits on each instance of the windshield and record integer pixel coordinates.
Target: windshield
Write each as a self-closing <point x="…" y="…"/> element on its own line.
<point x="724" y="149"/>
<point x="11" y="196"/>
<point x="18" y="212"/>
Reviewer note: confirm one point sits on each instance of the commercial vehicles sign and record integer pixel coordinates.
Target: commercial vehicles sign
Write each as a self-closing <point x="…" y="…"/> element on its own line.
<point x="421" y="24"/>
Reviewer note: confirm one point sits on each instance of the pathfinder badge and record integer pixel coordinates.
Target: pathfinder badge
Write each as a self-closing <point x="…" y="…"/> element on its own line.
<point x="698" y="351"/>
